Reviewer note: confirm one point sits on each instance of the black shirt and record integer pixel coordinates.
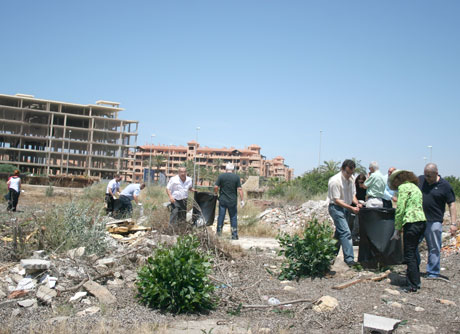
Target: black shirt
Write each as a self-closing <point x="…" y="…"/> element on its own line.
<point x="228" y="184"/>
<point x="435" y="198"/>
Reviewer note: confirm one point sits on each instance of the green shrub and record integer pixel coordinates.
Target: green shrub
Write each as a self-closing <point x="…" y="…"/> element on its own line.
<point x="49" y="192"/>
<point x="176" y="279"/>
<point x="310" y="255"/>
<point x="455" y="184"/>
<point x="6" y="168"/>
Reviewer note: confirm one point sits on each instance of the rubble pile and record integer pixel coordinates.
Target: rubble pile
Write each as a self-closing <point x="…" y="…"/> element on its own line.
<point x="84" y="280"/>
<point x="290" y="218"/>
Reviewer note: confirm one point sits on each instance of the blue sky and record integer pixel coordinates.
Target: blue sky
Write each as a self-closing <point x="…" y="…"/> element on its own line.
<point x="381" y="79"/>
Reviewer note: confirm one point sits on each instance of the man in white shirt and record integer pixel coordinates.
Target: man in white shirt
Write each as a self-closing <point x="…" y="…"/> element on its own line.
<point x="130" y="193"/>
<point x="341" y="194"/>
<point x="113" y="190"/>
<point x="177" y="190"/>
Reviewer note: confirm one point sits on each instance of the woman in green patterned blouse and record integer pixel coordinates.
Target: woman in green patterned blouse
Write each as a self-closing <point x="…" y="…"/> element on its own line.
<point x="410" y="218"/>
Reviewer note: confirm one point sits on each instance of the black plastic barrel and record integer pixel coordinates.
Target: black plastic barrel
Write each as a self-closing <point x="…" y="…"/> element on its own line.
<point x="376" y="227"/>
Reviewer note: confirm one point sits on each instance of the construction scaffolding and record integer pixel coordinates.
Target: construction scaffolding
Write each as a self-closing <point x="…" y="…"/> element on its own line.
<point x="45" y="137"/>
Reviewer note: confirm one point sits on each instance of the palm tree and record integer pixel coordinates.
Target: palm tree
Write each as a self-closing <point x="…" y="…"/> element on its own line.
<point x="217" y="164"/>
<point x="158" y="161"/>
<point x="330" y="166"/>
<point x="359" y="167"/>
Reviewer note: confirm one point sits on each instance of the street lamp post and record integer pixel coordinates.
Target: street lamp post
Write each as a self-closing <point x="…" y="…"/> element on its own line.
<point x="319" y="155"/>
<point x="150" y="159"/>
<point x="68" y="153"/>
<point x="194" y="159"/>
<point x="431" y="152"/>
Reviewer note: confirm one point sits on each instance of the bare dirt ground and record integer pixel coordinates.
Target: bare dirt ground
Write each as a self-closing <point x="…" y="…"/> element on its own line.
<point x="247" y="279"/>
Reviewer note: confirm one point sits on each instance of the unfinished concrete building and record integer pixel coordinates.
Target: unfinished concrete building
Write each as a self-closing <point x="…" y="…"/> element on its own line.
<point x="47" y="137"/>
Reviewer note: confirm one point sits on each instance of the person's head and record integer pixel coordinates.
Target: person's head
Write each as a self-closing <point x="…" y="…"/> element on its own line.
<point x="373" y="166"/>
<point x="348" y="168"/>
<point x="398" y="177"/>
<point x="117" y="177"/>
<point x="431" y="173"/>
<point x="391" y="170"/>
<point x="229" y="167"/>
<point x="182" y="171"/>
<point x="142" y="186"/>
<point x="16" y="172"/>
<point x="359" y="182"/>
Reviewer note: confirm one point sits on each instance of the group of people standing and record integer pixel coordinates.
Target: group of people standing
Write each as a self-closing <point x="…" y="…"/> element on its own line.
<point x="227" y="185"/>
<point x="420" y="206"/>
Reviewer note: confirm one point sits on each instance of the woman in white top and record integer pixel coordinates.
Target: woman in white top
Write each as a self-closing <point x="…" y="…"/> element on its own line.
<point x="14" y="189"/>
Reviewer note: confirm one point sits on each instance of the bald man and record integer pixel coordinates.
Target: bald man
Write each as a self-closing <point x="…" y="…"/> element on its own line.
<point x="437" y="192"/>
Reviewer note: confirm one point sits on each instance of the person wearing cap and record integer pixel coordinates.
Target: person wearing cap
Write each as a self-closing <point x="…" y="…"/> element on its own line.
<point x="177" y="190"/>
<point x="409" y="216"/>
<point x="389" y="195"/>
<point x="229" y="185"/>
<point x="375" y="185"/>
<point x="341" y="194"/>
<point x="14" y="190"/>
<point x="130" y="193"/>
<point x="113" y="189"/>
<point x="437" y="192"/>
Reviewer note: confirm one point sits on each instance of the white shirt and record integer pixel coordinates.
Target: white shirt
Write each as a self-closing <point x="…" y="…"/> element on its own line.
<point x="114" y="185"/>
<point x="131" y="190"/>
<point x="179" y="189"/>
<point x="14" y="183"/>
<point x="341" y="188"/>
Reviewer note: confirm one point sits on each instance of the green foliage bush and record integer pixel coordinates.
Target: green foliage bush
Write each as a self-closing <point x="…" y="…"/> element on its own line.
<point x="309" y="255"/>
<point x="6" y="168"/>
<point x="176" y="279"/>
<point x="455" y="184"/>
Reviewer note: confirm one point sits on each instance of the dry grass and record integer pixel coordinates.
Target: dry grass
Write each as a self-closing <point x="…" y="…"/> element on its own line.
<point x="250" y="225"/>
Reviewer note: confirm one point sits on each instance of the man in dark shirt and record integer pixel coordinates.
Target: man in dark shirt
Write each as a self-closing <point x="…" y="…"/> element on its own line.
<point x="228" y="184"/>
<point x="437" y="192"/>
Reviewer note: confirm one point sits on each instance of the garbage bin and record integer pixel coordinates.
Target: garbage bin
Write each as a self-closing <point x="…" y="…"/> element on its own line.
<point x="376" y="227"/>
<point x="206" y="210"/>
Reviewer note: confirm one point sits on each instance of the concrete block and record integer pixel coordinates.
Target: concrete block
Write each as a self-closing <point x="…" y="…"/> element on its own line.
<point x="374" y="324"/>
<point x="31" y="265"/>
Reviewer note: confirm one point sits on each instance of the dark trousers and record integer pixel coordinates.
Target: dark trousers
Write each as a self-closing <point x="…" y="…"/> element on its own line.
<point x="13" y="201"/>
<point x="232" y="212"/>
<point x="178" y="212"/>
<point x="126" y="208"/>
<point x="412" y="235"/>
<point x="387" y="203"/>
<point x="110" y="201"/>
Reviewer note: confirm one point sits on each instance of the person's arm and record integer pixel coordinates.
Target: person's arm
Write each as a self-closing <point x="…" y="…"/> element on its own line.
<point x="341" y="203"/>
<point x="453" y="218"/>
<point x="401" y="209"/>
<point x="171" y="199"/>
<point x="216" y="189"/>
<point x="136" y="199"/>
<point x="356" y="202"/>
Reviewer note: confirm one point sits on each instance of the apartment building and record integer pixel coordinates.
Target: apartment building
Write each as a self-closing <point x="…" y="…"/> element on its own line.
<point x="248" y="160"/>
<point x="57" y="138"/>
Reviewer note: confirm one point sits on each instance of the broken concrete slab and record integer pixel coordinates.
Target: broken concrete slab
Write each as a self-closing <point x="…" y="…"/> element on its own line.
<point x="26" y="303"/>
<point x="26" y="284"/>
<point x="45" y="294"/>
<point x="40" y="254"/>
<point x="374" y="324"/>
<point x="100" y="292"/>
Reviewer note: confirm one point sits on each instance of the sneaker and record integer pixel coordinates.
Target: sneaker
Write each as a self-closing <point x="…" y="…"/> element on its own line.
<point x="351" y="263"/>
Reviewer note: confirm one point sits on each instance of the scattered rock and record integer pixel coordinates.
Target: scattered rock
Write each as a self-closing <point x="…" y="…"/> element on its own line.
<point x="76" y="253"/>
<point x="264" y="331"/>
<point x="40" y="254"/>
<point x="396" y="305"/>
<point x="86" y="301"/>
<point x="325" y="304"/>
<point x="419" y="309"/>
<point x="419" y="329"/>
<point x="2" y="294"/>
<point x="57" y="320"/>
<point x="15" y="313"/>
<point x="446" y="302"/>
<point x="285" y="282"/>
<point x="26" y="303"/>
<point x="289" y="288"/>
<point x="89" y="311"/>
<point x="18" y="294"/>
<point x="108" y="261"/>
<point x="100" y="292"/>
<point x="392" y="292"/>
<point x="376" y="324"/>
<point x="45" y="294"/>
